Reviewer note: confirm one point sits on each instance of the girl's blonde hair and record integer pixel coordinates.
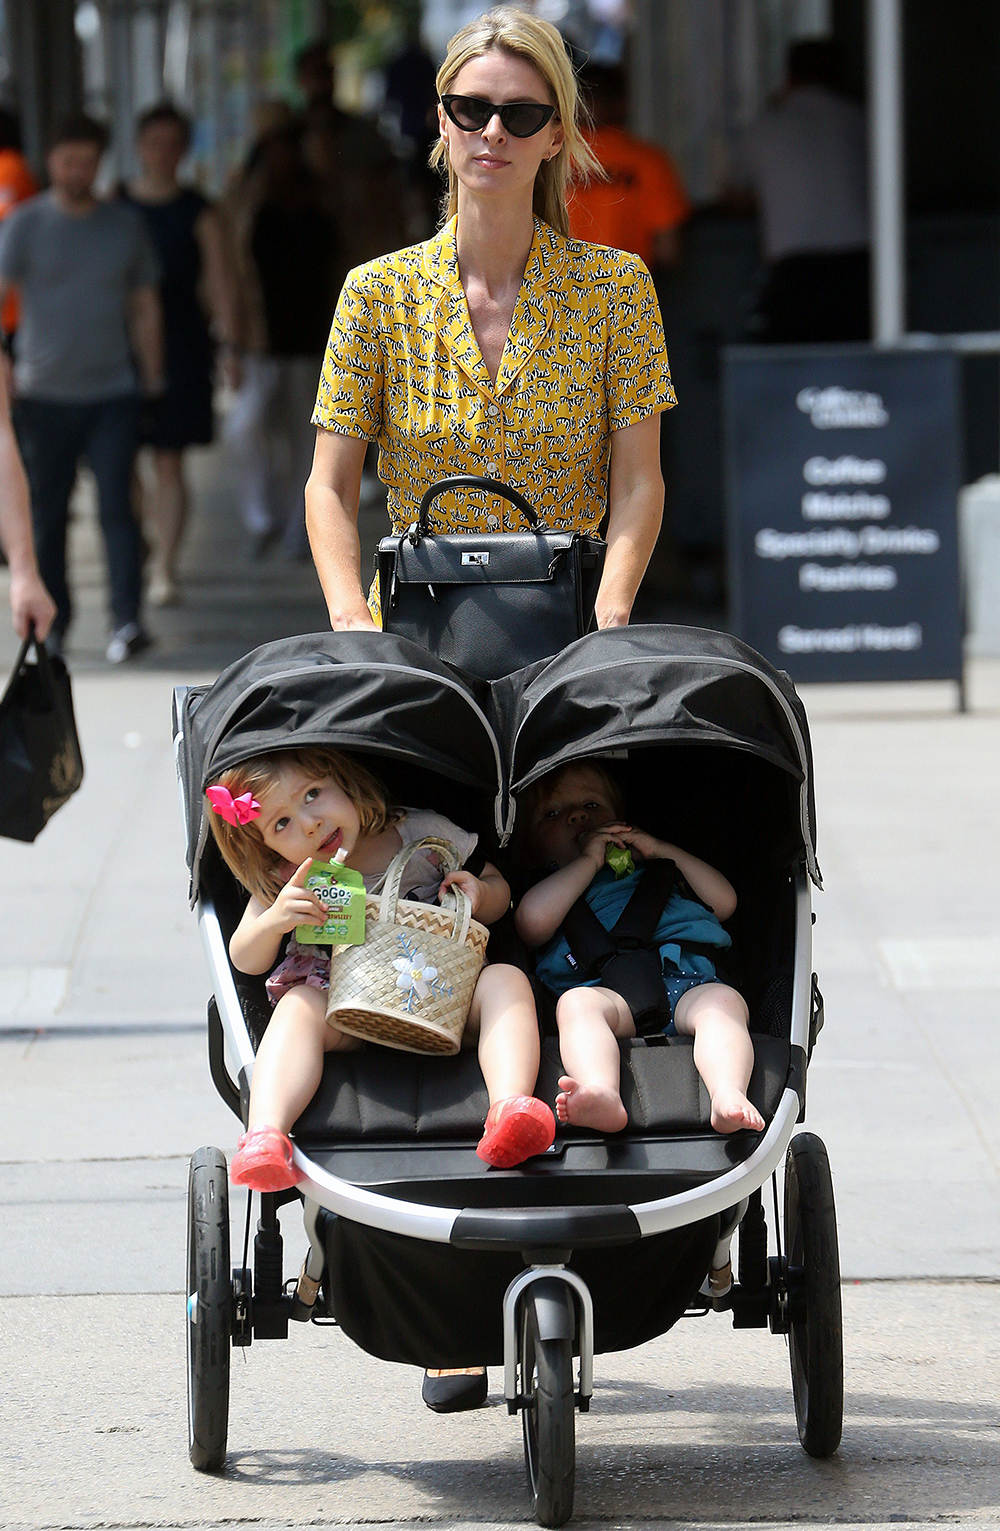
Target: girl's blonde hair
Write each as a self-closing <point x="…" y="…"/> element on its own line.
<point x="511" y="30"/>
<point x="242" y="846"/>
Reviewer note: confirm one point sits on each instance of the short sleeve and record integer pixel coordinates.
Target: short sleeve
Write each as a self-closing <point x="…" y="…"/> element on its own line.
<point x="13" y="248"/>
<point x="638" y="373"/>
<point x="349" y="400"/>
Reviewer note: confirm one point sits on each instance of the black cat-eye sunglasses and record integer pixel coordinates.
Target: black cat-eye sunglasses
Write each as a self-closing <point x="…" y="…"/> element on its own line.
<point x="522" y="119"/>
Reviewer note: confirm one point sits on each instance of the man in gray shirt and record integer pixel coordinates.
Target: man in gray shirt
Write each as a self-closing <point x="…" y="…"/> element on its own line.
<point x="90" y="308"/>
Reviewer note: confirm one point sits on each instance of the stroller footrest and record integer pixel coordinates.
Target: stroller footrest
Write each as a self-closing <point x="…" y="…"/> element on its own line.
<point x="546" y="1228"/>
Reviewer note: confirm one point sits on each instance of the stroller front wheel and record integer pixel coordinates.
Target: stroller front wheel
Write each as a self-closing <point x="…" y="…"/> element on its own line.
<point x="815" y="1337"/>
<point x="548" y="1416"/>
<point x="209" y="1309"/>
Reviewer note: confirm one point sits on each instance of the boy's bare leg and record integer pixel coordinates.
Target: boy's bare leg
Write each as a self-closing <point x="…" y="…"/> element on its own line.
<point x="289" y="1063"/>
<point x="718" y="1019"/>
<point x="590" y="1021"/>
<point x="503" y="1017"/>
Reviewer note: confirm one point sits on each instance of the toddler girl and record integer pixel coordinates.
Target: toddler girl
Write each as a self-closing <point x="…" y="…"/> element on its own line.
<point x="572" y="815"/>
<point x="272" y="816"/>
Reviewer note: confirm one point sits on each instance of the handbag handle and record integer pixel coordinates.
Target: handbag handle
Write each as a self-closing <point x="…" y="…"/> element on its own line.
<point x="472" y="481"/>
<point x="394" y="876"/>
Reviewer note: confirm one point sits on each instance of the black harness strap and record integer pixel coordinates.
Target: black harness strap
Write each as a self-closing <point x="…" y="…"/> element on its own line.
<point x="624" y="958"/>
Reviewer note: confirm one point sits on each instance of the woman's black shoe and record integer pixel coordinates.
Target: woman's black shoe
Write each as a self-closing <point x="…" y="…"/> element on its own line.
<point x="452" y="1395"/>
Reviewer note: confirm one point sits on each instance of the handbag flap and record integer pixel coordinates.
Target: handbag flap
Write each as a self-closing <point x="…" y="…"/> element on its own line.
<point x="489" y="558"/>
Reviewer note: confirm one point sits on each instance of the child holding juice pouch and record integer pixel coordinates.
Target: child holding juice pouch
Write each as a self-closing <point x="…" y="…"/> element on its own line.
<point x="273" y="816"/>
<point x="574" y="840"/>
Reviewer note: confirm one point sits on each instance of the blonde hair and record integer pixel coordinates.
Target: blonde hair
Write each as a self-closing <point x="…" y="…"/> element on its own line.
<point x="242" y="846"/>
<point x="508" y="29"/>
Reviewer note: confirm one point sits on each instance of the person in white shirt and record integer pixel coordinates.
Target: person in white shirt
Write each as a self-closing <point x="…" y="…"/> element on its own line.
<point x="804" y="162"/>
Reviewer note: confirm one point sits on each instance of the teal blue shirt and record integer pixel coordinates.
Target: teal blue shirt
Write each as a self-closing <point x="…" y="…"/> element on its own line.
<point x="683" y="921"/>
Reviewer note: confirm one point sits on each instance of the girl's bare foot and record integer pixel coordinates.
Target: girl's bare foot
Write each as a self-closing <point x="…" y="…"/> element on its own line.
<point x="732" y="1112"/>
<point x="591" y="1106"/>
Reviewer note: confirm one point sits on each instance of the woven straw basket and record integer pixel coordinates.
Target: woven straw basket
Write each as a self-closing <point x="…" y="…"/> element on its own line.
<point x="410" y="985"/>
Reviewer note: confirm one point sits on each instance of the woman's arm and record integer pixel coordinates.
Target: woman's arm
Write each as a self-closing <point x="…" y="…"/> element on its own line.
<point x="333" y="492"/>
<point x="220" y="289"/>
<point x="635" y="497"/>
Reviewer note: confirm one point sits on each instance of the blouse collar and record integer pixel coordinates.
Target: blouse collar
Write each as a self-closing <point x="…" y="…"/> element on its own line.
<point x="534" y="311"/>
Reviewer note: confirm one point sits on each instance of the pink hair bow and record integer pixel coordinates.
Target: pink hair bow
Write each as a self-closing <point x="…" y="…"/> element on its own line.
<point x="235" y="810"/>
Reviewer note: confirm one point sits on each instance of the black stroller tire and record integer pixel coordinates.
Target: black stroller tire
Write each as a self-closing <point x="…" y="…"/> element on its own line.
<point x="209" y="1309"/>
<point x="548" y="1419"/>
<point x="815" y="1339"/>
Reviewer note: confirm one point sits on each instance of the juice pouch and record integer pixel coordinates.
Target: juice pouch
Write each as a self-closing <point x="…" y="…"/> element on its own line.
<point x="341" y="891"/>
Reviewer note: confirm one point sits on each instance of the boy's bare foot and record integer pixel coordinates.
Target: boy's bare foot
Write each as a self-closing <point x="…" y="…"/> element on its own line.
<point x="590" y="1106"/>
<point x="732" y="1112"/>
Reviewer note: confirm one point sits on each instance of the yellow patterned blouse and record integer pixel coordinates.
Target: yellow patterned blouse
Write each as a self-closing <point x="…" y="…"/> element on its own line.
<point x="585" y="356"/>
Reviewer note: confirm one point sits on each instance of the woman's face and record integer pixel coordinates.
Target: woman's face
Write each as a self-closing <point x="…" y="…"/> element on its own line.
<point x="307" y="816"/>
<point x="161" y="147"/>
<point x="573" y="807"/>
<point x="490" y="161"/>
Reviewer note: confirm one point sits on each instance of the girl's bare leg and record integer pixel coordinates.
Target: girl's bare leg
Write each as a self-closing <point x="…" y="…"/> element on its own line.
<point x="503" y="1017"/>
<point x="289" y="1062"/>
<point x="718" y="1019"/>
<point x="166" y="524"/>
<point x="590" y="1021"/>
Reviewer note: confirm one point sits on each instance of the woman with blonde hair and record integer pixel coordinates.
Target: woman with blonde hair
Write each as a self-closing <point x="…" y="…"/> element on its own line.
<point x="501" y="347"/>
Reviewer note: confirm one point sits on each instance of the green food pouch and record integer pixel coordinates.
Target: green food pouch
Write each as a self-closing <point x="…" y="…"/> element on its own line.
<point x="619" y="859"/>
<point x="342" y="892"/>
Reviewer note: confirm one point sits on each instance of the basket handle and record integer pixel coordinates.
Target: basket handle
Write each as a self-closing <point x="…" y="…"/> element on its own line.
<point x="394" y="876"/>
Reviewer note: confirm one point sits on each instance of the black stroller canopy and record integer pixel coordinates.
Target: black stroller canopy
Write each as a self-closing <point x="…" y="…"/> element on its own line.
<point x="631" y="687"/>
<point x="359" y="691"/>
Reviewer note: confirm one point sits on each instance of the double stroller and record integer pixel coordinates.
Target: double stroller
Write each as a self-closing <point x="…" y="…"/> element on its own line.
<point x="419" y="1251"/>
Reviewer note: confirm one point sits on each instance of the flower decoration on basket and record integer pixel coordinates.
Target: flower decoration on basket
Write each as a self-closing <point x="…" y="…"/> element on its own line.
<point x="416" y="977"/>
<point x="235" y="810"/>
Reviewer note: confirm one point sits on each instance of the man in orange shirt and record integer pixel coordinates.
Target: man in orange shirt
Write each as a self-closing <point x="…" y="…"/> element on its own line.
<point x="16" y="184"/>
<point x="642" y="203"/>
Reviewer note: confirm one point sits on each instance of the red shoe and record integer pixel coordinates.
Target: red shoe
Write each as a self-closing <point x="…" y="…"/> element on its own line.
<point x="263" y="1161"/>
<point x="516" y="1129"/>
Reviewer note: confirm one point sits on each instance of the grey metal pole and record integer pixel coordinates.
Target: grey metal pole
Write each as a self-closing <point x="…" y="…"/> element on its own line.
<point x="886" y="161"/>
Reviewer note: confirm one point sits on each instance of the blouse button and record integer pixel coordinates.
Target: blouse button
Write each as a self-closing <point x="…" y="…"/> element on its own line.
<point x="494" y="409"/>
<point x="493" y="470"/>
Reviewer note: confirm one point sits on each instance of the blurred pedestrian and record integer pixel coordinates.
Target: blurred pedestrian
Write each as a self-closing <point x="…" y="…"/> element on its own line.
<point x="641" y="203"/>
<point x="410" y="92"/>
<point x="355" y="164"/>
<point x="87" y="274"/>
<point x="804" y="163"/>
<point x="17" y="184"/>
<point x="286" y="253"/>
<point x="195" y="285"/>
<point x="29" y="599"/>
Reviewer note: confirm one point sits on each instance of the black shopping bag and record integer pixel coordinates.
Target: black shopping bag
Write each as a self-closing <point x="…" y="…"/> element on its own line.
<point x="40" y="761"/>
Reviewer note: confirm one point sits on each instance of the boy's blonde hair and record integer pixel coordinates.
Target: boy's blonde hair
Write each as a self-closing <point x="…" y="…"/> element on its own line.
<point x="532" y="799"/>
<point x="511" y="30"/>
<point x="242" y="846"/>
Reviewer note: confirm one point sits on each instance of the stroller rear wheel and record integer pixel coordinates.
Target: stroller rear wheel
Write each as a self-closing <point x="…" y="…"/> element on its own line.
<point x="815" y="1336"/>
<point x="209" y="1309"/>
<point x="548" y="1415"/>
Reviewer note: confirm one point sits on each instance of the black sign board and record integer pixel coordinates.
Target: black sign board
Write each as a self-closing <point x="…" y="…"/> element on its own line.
<point x="842" y="489"/>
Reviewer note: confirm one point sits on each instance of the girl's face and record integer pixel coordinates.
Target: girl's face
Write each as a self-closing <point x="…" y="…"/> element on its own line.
<point x="574" y="807"/>
<point x="490" y="161"/>
<point x="307" y="816"/>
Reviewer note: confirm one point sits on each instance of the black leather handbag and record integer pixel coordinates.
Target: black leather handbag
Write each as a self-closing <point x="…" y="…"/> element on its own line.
<point x="490" y="602"/>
